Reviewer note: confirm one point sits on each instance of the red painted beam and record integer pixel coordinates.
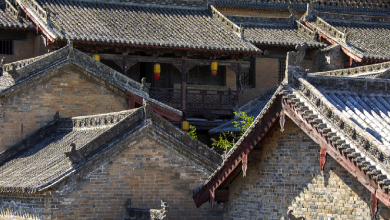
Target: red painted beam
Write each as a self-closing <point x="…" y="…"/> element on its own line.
<point x="350" y="54"/>
<point x="344" y="161"/>
<point x="36" y="23"/>
<point x="259" y="133"/>
<point x="155" y="107"/>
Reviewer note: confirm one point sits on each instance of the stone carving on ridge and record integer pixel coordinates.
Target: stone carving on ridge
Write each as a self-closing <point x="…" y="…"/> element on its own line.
<point x="295" y="58"/>
<point x="292" y="217"/>
<point x="73" y="155"/>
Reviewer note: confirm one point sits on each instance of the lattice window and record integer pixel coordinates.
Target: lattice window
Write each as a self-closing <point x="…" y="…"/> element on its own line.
<point x="6" y="47"/>
<point x="281" y="70"/>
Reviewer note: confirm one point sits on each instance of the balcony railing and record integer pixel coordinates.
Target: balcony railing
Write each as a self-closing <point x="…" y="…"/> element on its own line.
<point x="196" y="99"/>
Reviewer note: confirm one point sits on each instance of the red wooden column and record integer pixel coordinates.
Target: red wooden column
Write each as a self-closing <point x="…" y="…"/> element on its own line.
<point x="184" y="66"/>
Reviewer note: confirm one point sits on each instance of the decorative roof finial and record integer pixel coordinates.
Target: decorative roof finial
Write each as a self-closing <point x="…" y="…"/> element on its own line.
<point x="146" y="109"/>
<point x="70" y="45"/>
<point x="73" y="155"/>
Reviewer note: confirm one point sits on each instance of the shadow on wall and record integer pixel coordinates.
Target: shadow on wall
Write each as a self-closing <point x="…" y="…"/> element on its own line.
<point x="289" y="177"/>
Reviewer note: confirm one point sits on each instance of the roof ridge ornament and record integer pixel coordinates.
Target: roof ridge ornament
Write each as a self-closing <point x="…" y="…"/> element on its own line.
<point x="146" y="107"/>
<point x="292" y="217"/>
<point x="74" y="155"/>
<point x="71" y="49"/>
<point x="293" y="15"/>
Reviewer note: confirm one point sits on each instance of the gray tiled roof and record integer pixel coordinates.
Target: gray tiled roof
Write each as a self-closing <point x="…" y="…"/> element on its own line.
<point x="371" y="113"/>
<point x="39" y="162"/>
<point x="8" y="21"/>
<point x="141" y="26"/>
<point x="364" y="36"/>
<point x="358" y="7"/>
<point x="45" y="162"/>
<point x="274" y="31"/>
<point x="353" y="114"/>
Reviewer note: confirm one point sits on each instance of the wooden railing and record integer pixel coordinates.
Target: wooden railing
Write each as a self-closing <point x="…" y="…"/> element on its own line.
<point x="196" y="99"/>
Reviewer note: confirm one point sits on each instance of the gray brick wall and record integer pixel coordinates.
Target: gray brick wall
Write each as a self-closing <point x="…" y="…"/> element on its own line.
<point x="289" y="177"/>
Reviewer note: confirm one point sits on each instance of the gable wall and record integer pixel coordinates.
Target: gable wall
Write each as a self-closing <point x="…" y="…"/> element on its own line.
<point x="68" y="92"/>
<point x="144" y="172"/>
<point x="289" y="177"/>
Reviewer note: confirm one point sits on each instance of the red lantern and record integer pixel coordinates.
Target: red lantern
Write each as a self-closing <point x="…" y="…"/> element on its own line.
<point x="214" y="68"/>
<point x="157" y="70"/>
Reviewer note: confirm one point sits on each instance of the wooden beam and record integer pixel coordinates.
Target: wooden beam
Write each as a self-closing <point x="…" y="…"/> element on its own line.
<point x="221" y="195"/>
<point x="150" y="59"/>
<point x="155" y="107"/>
<point x="344" y="161"/>
<point x="255" y="155"/>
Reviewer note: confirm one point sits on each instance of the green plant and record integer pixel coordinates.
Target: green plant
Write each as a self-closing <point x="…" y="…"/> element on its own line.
<point x="229" y="139"/>
<point x="192" y="132"/>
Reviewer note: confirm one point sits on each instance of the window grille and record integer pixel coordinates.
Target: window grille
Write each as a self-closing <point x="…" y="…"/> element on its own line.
<point x="281" y="70"/>
<point x="6" y="47"/>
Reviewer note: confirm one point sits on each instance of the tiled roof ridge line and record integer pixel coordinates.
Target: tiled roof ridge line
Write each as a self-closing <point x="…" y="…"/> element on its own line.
<point x="255" y="20"/>
<point x="357" y="135"/>
<point x="239" y="31"/>
<point x="345" y="83"/>
<point x="227" y="156"/>
<point x="339" y="17"/>
<point x="184" y="139"/>
<point x="100" y="67"/>
<point x="374" y="68"/>
<point x="255" y="121"/>
<point x="12" y="10"/>
<point x="341" y="39"/>
<point x="330" y="29"/>
<point x="17" y="65"/>
<point x="201" y="6"/>
<point x="93" y="121"/>
<point x="40" y="16"/>
<point x="316" y="3"/>
<point x="35" y="64"/>
<point x="307" y="31"/>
